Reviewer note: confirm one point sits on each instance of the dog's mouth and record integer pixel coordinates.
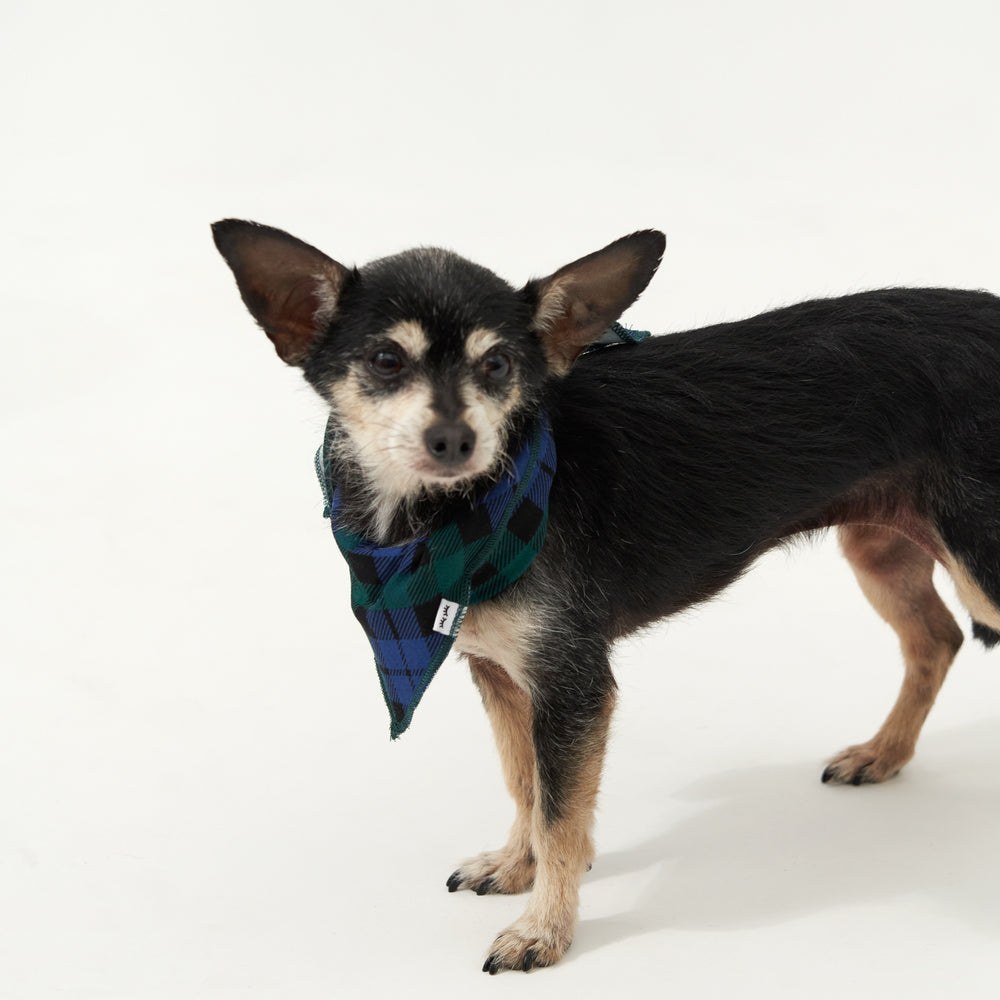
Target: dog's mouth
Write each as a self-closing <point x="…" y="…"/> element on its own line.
<point x="434" y="473"/>
<point x="402" y="462"/>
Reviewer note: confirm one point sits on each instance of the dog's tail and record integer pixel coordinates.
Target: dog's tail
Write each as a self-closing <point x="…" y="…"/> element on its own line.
<point x="987" y="636"/>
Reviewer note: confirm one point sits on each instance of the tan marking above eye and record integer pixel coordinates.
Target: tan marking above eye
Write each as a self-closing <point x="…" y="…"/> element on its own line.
<point x="480" y="342"/>
<point x="411" y="337"/>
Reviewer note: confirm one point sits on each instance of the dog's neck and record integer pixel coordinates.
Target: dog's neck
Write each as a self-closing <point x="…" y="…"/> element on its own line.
<point x="385" y="519"/>
<point x="367" y="509"/>
<point x="391" y="520"/>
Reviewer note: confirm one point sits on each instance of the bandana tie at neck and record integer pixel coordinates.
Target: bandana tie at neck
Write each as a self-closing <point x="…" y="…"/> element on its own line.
<point x="410" y="599"/>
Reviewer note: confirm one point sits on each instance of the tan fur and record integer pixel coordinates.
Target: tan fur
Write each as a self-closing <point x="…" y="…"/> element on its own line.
<point x="563" y="851"/>
<point x="502" y="632"/>
<point x="551" y="308"/>
<point x="386" y="439"/>
<point x="326" y="292"/>
<point x="486" y="416"/>
<point x="411" y="336"/>
<point x="896" y="577"/>
<point x="510" y="869"/>
<point x="480" y="342"/>
<point x="485" y="413"/>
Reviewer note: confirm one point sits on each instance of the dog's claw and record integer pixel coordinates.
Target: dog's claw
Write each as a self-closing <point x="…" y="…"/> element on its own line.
<point x="493" y="964"/>
<point x="502" y="872"/>
<point x="867" y="763"/>
<point x="522" y="950"/>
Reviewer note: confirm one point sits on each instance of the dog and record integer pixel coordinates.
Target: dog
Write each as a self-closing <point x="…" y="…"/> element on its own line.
<point x="679" y="461"/>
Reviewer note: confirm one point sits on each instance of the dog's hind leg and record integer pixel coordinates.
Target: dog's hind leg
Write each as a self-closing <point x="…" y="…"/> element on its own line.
<point x="896" y="576"/>
<point x="511" y="869"/>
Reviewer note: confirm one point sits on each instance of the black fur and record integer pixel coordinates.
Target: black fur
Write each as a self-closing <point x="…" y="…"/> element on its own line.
<point x="683" y="458"/>
<point x="987" y="636"/>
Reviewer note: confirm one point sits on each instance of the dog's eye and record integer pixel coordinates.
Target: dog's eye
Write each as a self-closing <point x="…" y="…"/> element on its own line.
<point x="386" y="364"/>
<point x="496" y="367"/>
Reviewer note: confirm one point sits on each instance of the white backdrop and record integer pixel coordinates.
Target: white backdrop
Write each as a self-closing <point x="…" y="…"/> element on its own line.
<point x="198" y="797"/>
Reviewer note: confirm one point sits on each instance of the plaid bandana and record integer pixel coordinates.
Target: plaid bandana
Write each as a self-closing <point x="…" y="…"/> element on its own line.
<point x="411" y="599"/>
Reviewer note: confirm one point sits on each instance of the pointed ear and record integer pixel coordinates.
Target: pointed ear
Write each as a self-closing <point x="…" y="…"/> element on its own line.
<point x="574" y="306"/>
<point x="290" y="288"/>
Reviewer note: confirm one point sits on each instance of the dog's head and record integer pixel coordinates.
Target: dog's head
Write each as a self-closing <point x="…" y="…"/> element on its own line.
<point x="425" y="358"/>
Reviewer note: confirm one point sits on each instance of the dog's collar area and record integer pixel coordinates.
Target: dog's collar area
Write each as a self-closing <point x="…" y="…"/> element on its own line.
<point x="618" y="334"/>
<point x="411" y="599"/>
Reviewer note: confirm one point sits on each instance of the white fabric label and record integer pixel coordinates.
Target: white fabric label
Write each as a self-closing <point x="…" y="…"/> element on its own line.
<point x="445" y="617"/>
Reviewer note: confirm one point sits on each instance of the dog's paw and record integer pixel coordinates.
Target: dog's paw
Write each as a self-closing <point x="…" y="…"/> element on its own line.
<point x="495" y="872"/>
<point x="866" y="764"/>
<point x="524" y="946"/>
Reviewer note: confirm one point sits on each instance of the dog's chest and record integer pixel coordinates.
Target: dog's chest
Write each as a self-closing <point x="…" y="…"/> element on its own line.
<point x="502" y="632"/>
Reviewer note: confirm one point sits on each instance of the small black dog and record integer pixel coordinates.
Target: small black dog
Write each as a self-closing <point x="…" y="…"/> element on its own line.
<point x="680" y="461"/>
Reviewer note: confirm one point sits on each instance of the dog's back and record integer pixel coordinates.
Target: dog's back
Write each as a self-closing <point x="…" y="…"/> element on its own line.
<point x="685" y="457"/>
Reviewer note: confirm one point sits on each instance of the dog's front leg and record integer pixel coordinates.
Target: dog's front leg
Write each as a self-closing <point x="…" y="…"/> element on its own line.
<point x="510" y="869"/>
<point x="572" y="698"/>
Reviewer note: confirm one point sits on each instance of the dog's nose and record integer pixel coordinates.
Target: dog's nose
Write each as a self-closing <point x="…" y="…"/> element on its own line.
<point x="450" y="443"/>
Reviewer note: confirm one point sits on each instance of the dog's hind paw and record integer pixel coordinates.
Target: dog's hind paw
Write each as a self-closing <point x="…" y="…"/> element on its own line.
<point x="521" y="948"/>
<point x="496" y="872"/>
<point x="866" y="764"/>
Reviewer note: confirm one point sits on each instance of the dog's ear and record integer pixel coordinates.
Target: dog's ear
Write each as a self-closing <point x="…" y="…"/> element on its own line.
<point x="577" y="304"/>
<point x="290" y="288"/>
